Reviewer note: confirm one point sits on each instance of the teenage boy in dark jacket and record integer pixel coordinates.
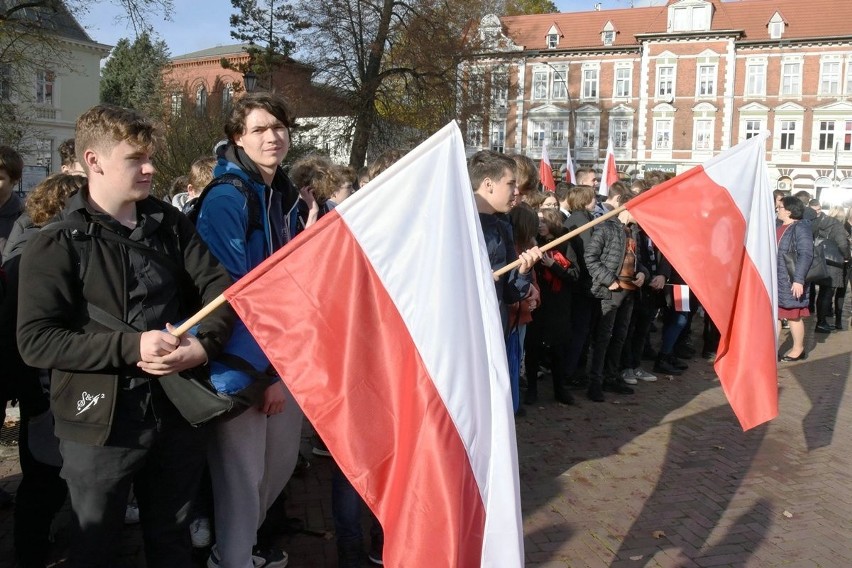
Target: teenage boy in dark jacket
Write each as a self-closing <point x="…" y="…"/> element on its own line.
<point x="115" y="423"/>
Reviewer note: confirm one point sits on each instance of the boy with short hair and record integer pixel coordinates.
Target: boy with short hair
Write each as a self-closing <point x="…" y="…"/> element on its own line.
<point x="11" y="206"/>
<point x="115" y="422"/>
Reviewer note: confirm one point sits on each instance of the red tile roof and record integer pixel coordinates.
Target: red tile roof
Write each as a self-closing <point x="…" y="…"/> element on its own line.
<point x="811" y="19"/>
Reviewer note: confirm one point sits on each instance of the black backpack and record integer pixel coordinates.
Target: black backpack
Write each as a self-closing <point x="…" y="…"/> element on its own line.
<point x="192" y="208"/>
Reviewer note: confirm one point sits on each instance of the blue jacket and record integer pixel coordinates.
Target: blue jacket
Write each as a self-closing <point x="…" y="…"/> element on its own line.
<point x="797" y="237"/>
<point x="222" y="223"/>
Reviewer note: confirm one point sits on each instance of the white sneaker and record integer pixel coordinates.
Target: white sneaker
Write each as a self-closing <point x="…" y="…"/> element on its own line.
<point x="199" y="532"/>
<point x="644" y="375"/>
<point x="131" y="514"/>
<point x="628" y="377"/>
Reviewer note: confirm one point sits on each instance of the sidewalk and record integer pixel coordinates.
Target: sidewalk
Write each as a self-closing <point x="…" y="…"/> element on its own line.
<point x="662" y="478"/>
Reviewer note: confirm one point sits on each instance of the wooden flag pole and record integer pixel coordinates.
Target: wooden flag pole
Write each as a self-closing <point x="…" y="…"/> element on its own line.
<point x="563" y="238"/>
<point x="200" y="315"/>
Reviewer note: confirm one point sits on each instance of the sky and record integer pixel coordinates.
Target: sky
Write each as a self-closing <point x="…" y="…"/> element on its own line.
<point x="198" y="25"/>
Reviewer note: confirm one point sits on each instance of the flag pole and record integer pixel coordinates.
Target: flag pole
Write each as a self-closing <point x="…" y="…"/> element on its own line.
<point x="219" y="300"/>
<point x="571" y="234"/>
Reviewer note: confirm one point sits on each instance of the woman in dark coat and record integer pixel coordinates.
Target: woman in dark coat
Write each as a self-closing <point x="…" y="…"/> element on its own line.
<point x="792" y="292"/>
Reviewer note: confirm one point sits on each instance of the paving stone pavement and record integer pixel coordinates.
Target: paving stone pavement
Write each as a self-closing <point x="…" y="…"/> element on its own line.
<point x="663" y="478"/>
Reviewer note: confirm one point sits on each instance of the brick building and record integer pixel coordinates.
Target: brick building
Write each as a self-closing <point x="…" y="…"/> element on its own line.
<point x="672" y="86"/>
<point x="198" y="79"/>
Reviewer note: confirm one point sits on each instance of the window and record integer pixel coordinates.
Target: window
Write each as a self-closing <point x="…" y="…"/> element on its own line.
<point x="588" y="132"/>
<point x="608" y="37"/>
<point x="791" y="80"/>
<point x="663" y="134"/>
<point x="539" y="132"/>
<point x="847" y="135"/>
<point x="176" y="103"/>
<point x="590" y="83"/>
<point x="706" y="81"/>
<point x="755" y="79"/>
<point x="622" y="81"/>
<point x="689" y="18"/>
<point x="498" y="135"/>
<point x="474" y="133"/>
<point x="776" y="29"/>
<point x="552" y="40"/>
<point x="201" y="99"/>
<point x="703" y="135"/>
<point x="829" y="82"/>
<point x="620" y="133"/>
<point x="788" y="134"/>
<point x="44" y="87"/>
<point x="499" y="88"/>
<point x="826" y="135"/>
<point x="665" y="81"/>
<point x="227" y="97"/>
<point x="540" y="84"/>
<point x="849" y="77"/>
<point x="557" y="134"/>
<point x="752" y="128"/>
<point x="43" y="152"/>
<point x="680" y="19"/>
<point x="560" y="89"/>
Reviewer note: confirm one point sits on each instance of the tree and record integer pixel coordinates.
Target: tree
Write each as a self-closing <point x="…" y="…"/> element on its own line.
<point x="396" y="60"/>
<point x="522" y="7"/>
<point x="133" y="75"/>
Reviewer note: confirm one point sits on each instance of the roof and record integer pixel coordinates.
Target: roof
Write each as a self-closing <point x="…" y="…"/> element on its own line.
<point x="822" y="18"/>
<point x="218" y="51"/>
<point x="53" y="17"/>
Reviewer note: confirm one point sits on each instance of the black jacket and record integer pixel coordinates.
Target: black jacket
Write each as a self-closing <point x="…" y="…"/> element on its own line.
<point x="89" y="361"/>
<point x="605" y="255"/>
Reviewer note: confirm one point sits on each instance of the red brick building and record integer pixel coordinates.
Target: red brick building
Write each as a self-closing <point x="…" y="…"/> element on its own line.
<point x="672" y="86"/>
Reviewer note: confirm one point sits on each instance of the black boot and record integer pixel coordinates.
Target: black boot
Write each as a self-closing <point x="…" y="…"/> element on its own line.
<point x="531" y="396"/>
<point x="664" y="365"/>
<point x="561" y="394"/>
<point x="838" y="313"/>
<point x="595" y="391"/>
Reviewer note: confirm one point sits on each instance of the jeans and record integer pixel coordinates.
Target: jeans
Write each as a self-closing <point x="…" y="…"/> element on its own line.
<point x="346" y="509"/>
<point x="673" y="325"/>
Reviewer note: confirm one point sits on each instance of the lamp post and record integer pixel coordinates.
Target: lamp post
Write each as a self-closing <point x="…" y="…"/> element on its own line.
<point x="250" y="80"/>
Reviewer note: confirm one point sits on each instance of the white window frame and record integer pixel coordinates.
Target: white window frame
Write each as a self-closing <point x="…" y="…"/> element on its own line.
<point x="752" y="127"/>
<point x="791" y="79"/>
<point x="591" y="87"/>
<point x="588" y="132"/>
<point x="706" y="76"/>
<point x="559" y="87"/>
<point x="621" y="128"/>
<point x="848" y="79"/>
<point x="826" y="132"/>
<point x="703" y="138"/>
<point x="540" y="84"/>
<point x="846" y="142"/>
<point x="776" y="26"/>
<point x="227" y="97"/>
<point x="669" y="81"/>
<point x="45" y="88"/>
<point x="499" y="88"/>
<point x="755" y="78"/>
<point x="788" y="136"/>
<point x="663" y="126"/>
<point x="608" y="37"/>
<point x="538" y="134"/>
<point x="623" y="87"/>
<point x="694" y="18"/>
<point x="200" y="99"/>
<point x="176" y="103"/>
<point x="474" y="133"/>
<point x="552" y="41"/>
<point x="498" y="135"/>
<point x="829" y="76"/>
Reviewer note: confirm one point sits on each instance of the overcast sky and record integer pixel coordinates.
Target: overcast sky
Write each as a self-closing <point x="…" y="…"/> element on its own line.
<point x="192" y="28"/>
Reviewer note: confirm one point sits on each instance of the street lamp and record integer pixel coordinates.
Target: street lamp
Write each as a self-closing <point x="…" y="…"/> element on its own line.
<point x="250" y="80"/>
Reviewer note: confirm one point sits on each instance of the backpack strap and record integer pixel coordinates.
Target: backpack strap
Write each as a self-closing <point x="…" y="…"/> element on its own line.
<point x="255" y="218"/>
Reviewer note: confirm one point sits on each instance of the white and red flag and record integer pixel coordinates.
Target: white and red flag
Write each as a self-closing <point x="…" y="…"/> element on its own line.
<point x="570" y="174"/>
<point x="716" y="224"/>
<point x="680" y="297"/>
<point x="545" y="171"/>
<point x="382" y="319"/>
<point x="610" y="172"/>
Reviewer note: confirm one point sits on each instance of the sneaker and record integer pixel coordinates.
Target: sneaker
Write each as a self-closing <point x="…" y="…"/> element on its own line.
<point x="320" y="448"/>
<point x="260" y="558"/>
<point x="199" y="532"/>
<point x="131" y="514"/>
<point x="617" y="387"/>
<point x="644" y="375"/>
<point x="629" y="376"/>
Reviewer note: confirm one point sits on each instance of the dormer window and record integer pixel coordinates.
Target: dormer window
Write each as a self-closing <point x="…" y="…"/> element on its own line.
<point x="776" y="26"/>
<point x="608" y="34"/>
<point x="690" y="16"/>
<point x="553" y="35"/>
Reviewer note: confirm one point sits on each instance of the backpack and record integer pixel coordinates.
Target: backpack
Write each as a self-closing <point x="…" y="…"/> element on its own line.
<point x="192" y="208"/>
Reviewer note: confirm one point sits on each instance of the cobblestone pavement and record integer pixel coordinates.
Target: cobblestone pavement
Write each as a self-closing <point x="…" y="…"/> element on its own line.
<point x="662" y="478"/>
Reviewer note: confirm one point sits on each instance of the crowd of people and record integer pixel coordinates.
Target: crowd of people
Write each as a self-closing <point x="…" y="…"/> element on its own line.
<point x="98" y="270"/>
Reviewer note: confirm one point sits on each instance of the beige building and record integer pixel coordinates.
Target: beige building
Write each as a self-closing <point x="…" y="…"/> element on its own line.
<point x="671" y="86"/>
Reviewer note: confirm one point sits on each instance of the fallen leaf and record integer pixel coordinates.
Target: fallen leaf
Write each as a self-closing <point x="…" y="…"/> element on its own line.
<point x="719" y="447"/>
<point x="640" y="557"/>
<point x="788" y="514"/>
<point x="658" y="534"/>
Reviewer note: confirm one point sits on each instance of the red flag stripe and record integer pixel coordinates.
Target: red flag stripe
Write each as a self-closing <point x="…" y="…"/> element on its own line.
<point x="409" y="457"/>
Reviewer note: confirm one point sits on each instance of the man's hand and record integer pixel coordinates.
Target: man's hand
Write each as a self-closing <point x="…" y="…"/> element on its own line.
<point x="658" y="282"/>
<point x="640" y="279"/>
<point x="187" y="353"/>
<point x="307" y="195"/>
<point x="154" y="344"/>
<point x="528" y="258"/>
<point x="614" y="286"/>
<point x="274" y="399"/>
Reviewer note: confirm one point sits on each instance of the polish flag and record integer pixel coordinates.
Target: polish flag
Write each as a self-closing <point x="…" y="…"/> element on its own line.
<point x="570" y="174"/>
<point x="716" y="224"/>
<point x="398" y="360"/>
<point x="610" y="172"/>
<point x="680" y="297"/>
<point x="545" y="171"/>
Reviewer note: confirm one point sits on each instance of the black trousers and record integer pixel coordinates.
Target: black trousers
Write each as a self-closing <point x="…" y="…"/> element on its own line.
<point x="158" y="452"/>
<point x="609" y="336"/>
<point x="824" y="300"/>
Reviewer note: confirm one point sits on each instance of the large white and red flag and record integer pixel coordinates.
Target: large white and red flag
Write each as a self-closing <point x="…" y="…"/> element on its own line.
<point x="570" y="174"/>
<point x="610" y="171"/>
<point x="545" y="171"/>
<point x="716" y="224"/>
<point x="382" y="319"/>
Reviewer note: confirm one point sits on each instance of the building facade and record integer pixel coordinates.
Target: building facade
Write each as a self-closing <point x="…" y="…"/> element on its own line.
<point x="671" y="86"/>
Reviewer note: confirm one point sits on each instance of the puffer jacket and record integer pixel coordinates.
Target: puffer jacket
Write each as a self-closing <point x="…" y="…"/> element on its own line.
<point x="797" y="237"/>
<point x="605" y="255"/>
